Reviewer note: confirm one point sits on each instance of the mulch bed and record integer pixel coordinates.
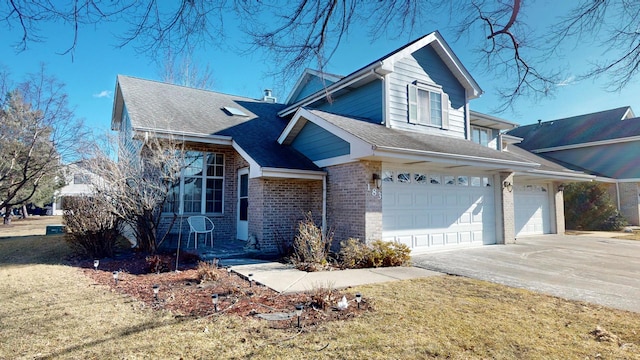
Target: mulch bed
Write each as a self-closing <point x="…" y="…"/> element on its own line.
<point x="183" y="293"/>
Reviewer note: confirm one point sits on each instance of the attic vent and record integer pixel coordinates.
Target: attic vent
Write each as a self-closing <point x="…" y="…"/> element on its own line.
<point x="268" y="97"/>
<point x="234" y="111"/>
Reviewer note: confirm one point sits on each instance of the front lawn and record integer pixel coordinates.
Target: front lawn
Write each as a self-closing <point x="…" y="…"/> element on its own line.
<point x="52" y="310"/>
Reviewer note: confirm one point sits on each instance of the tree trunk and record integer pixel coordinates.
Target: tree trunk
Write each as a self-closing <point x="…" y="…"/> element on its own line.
<point x="7" y="215"/>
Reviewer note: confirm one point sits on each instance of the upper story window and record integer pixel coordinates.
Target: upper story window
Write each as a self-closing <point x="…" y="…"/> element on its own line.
<point x="480" y="136"/>
<point x="427" y="105"/>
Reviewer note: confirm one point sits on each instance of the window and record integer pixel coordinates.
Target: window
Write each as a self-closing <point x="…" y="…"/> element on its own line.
<point x="480" y="135"/>
<point x="81" y="179"/>
<point x="427" y="106"/>
<point x="201" y="185"/>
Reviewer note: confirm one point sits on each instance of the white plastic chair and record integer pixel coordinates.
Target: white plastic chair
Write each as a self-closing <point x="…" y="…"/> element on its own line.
<point x="200" y="225"/>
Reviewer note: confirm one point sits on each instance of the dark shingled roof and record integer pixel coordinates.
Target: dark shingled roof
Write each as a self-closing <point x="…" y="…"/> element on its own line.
<point x="163" y="106"/>
<point x="382" y="136"/>
<point x="603" y="125"/>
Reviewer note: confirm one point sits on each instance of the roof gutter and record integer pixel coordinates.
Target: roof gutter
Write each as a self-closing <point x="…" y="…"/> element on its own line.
<point x="459" y="159"/>
<point x="184" y="136"/>
<point x="558" y="175"/>
<point x="349" y="80"/>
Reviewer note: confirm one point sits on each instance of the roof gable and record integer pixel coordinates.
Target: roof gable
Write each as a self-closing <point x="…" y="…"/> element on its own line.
<point x="203" y="115"/>
<point x="579" y="130"/>
<point x="310" y="82"/>
<point x="386" y="64"/>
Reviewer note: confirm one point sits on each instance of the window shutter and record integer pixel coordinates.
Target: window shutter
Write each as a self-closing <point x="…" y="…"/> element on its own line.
<point x="413" y="104"/>
<point x="445" y="110"/>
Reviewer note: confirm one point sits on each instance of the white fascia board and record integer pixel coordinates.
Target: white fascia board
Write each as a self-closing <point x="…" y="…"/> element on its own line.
<point x="557" y="175"/>
<point x="338" y="160"/>
<point x="606" y="180"/>
<point x="344" y="82"/>
<point x="588" y="144"/>
<point x="297" y="121"/>
<point x="454" y="159"/>
<point x="292" y="173"/>
<point x="628" y="180"/>
<point x="357" y="145"/>
<point x="256" y="171"/>
<point x="184" y="136"/>
<point x="303" y="79"/>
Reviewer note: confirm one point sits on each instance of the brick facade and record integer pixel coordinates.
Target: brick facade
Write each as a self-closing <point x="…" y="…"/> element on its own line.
<point x="507" y="215"/>
<point x="630" y="202"/>
<point x="277" y="205"/>
<point x="352" y="210"/>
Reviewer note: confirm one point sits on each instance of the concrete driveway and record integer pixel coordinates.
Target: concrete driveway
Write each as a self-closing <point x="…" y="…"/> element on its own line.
<point x="597" y="270"/>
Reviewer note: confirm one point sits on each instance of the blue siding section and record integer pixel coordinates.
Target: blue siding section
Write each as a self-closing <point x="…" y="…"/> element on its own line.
<point x="312" y="86"/>
<point x="619" y="161"/>
<point x="365" y="102"/>
<point x="426" y="66"/>
<point x="316" y="143"/>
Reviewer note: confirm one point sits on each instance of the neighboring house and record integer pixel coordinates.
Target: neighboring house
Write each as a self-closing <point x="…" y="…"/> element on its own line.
<point x="390" y="151"/>
<point x="77" y="181"/>
<point x="605" y="144"/>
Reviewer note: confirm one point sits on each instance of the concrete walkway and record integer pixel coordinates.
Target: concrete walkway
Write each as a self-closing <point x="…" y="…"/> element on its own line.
<point x="285" y="278"/>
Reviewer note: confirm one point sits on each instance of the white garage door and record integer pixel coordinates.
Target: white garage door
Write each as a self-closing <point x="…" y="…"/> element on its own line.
<point x="532" y="209"/>
<point x="427" y="211"/>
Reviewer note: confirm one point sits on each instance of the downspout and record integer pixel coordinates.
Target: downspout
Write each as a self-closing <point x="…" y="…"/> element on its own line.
<point x="618" y="195"/>
<point x="324" y="205"/>
<point x="385" y="120"/>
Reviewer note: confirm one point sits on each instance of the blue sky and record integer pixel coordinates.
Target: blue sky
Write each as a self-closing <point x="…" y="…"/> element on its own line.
<point x="90" y="75"/>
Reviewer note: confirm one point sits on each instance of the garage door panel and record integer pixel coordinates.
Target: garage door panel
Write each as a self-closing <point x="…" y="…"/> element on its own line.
<point x="451" y="238"/>
<point x="421" y="240"/>
<point x="532" y="209"/>
<point x="440" y="215"/>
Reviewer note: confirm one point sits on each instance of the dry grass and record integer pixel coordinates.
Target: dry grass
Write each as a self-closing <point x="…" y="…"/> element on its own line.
<point x="34" y="225"/>
<point x="633" y="236"/>
<point x="49" y="311"/>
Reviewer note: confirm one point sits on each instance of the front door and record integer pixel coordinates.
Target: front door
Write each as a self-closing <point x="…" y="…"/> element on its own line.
<point x="243" y="204"/>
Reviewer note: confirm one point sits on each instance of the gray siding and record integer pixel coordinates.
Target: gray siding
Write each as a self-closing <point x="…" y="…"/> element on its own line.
<point x="312" y="86"/>
<point x="619" y="161"/>
<point x="425" y="66"/>
<point x="364" y="102"/>
<point x="316" y="143"/>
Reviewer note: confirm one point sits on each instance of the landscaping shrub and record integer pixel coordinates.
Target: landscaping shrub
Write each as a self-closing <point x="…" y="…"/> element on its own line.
<point x="91" y="231"/>
<point x="310" y="246"/>
<point x="207" y="271"/>
<point x="588" y="206"/>
<point x="355" y="254"/>
<point x="158" y="263"/>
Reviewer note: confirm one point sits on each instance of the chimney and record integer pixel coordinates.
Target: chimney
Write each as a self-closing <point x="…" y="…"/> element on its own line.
<point x="268" y="97"/>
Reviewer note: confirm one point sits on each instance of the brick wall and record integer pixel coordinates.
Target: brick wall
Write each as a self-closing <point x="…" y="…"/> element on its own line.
<point x="352" y="210"/>
<point x="508" y="211"/>
<point x="276" y="206"/>
<point x="629" y="202"/>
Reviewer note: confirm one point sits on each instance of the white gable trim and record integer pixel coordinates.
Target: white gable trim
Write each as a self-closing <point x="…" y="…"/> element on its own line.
<point x="304" y="79"/>
<point x="358" y="147"/>
<point x="588" y="144"/>
<point x="386" y="66"/>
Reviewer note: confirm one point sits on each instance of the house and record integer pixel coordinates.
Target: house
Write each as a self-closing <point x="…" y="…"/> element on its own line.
<point x="605" y="144"/>
<point x="77" y="181"/>
<point x="391" y="151"/>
